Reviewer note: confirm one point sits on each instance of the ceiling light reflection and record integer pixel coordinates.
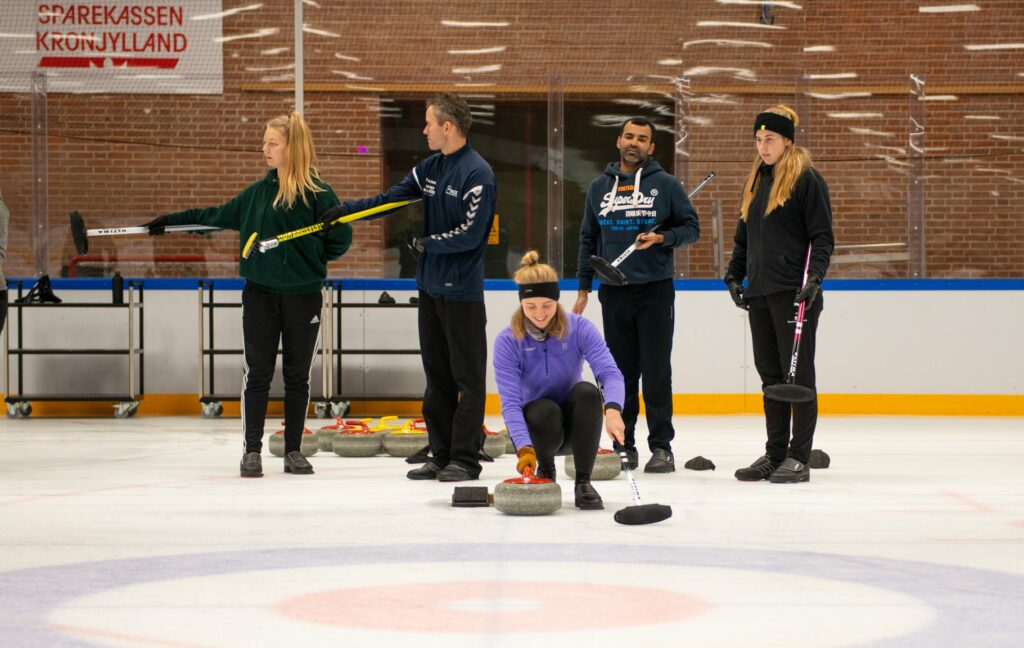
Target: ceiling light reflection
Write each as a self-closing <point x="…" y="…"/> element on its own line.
<point x="855" y="115"/>
<point x="483" y="50"/>
<point x="983" y="117"/>
<point x="260" y="33"/>
<point x="987" y="47"/>
<point x="480" y="69"/>
<point x="820" y="48"/>
<point x="319" y="32"/>
<point x="948" y="8"/>
<point x="835" y="75"/>
<point x="228" y="12"/>
<point x="832" y="96"/>
<point x="473" y="23"/>
<point x="275" y="51"/>
<point x="773" y="3"/>
<point x="741" y="25"/>
<point x="726" y="42"/>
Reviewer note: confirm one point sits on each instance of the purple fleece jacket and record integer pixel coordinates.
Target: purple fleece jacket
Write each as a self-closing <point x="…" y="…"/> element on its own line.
<point x="527" y="370"/>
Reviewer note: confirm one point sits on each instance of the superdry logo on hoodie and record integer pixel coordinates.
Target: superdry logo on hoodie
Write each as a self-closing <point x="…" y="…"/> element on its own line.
<point x="643" y="205"/>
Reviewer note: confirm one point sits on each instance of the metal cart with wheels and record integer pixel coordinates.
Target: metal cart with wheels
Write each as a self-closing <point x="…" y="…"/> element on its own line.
<point x="212" y="402"/>
<point x="19" y="403"/>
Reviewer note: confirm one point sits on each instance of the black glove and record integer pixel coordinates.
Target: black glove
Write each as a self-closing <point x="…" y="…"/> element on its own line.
<point x="736" y="292"/>
<point x="414" y="243"/>
<point x="809" y="291"/>
<point x="157" y="225"/>
<point x="327" y="219"/>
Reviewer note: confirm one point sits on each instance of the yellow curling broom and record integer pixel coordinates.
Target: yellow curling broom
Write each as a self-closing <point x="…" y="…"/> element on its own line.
<point x="271" y="243"/>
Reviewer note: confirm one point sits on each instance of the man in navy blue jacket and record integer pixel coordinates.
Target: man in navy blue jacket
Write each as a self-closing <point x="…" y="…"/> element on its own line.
<point x="458" y="192"/>
<point x="639" y="317"/>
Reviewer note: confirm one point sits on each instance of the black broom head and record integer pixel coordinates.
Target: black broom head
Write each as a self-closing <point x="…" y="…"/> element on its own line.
<point x="643" y="514"/>
<point x="789" y="393"/>
<point x="78" y="233"/>
<point x="609" y="274"/>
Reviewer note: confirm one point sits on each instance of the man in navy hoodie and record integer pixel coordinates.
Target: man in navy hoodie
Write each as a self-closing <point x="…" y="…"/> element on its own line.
<point x="458" y="192"/>
<point x="639" y="317"/>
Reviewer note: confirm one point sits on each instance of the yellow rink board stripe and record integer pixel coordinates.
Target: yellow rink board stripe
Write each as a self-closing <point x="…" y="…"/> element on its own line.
<point x="683" y="404"/>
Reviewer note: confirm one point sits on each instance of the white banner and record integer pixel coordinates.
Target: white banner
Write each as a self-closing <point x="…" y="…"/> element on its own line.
<point x="128" y="47"/>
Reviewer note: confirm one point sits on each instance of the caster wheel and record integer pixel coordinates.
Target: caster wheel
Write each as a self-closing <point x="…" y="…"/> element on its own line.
<point x="320" y="410"/>
<point x="12" y="410"/>
<point x="340" y="409"/>
<point x="212" y="410"/>
<point x="122" y="410"/>
<point x="25" y="409"/>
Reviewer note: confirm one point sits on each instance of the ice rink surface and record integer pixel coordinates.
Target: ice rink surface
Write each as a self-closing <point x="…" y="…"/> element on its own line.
<point x="139" y="532"/>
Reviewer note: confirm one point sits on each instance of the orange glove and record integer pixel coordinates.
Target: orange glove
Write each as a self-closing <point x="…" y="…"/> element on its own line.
<point x="527" y="457"/>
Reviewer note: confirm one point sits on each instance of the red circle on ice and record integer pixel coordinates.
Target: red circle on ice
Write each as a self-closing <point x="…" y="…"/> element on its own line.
<point x="493" y="607"/>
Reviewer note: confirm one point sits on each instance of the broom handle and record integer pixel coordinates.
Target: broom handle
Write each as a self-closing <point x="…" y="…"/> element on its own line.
<point x="630" y="478"/>
<point x="114" y="231"/>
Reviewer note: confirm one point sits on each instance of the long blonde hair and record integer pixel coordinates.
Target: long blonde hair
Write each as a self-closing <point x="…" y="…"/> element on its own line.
<point x="300" y="173"/>
<point x="794" y="161"/>
<point x="531" y="271"/>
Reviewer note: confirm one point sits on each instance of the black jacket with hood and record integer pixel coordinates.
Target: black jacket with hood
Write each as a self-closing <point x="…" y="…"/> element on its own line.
<point x="620" y="206"/>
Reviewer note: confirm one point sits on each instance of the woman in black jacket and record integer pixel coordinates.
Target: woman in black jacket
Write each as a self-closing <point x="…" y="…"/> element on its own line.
<point x="784" y="217"/>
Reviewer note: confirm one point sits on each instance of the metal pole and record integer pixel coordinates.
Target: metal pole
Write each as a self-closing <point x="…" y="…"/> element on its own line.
<point x="556" y="175"/>
<point x="40" y="182"/>
<point x="917" y="268"/>
<point x="299" y="74"/>
<point x="681" y="158"/>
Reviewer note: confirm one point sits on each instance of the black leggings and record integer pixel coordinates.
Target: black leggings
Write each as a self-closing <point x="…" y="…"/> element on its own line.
<point x="790" y="427"/>
<point x="267" y="320"/>
<point x="554" y="428"/>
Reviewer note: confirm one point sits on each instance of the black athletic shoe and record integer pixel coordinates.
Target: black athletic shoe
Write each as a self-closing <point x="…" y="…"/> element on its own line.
<point x="546" y="473"/>
<point x="296" y="464"/>
<point x="428" y="470"/>
<point x="252" y="465"/>
<point x="762" y="468"/>
<point x="454" y="472"/>
<point x="791" y="471"/>
<point x="661" y="461"/>
<point x="587" y="498"/>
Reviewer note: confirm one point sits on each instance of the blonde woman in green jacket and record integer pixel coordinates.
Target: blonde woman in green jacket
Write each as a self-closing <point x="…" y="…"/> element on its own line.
<point x="281" y="301"/>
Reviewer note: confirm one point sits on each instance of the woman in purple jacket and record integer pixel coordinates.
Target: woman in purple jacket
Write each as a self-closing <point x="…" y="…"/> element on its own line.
<point x="538" y="365"/>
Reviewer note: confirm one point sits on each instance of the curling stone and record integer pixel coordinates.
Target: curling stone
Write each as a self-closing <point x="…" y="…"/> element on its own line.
<point x="384" y="426"/>
<point x="354" y="439"/>
<point x="606" y="466"/>
<point x="528" y="495"/>
<point x="494" y="442"/>
<point x="408" y="441"/>
<point x="310" y="445"/>
<point x="325" y="435"/>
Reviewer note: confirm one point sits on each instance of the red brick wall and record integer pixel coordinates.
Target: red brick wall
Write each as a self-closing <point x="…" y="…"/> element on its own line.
<point x="120" y="159"/>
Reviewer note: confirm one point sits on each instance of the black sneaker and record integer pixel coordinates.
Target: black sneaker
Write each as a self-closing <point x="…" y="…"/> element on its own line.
<point x="546" y="473"/>
<point x="454" y="472"/>
<point x="428" y="470"/>
<point x="252" y="465"/>
<point x="762" y="468"/>
<point x="296" y="464"/>
<point x="661" y="461"/>
<point x="587" y="498"/>
<point x="791" y="471"/>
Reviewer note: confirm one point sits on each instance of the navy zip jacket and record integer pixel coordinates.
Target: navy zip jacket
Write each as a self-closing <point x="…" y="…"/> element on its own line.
<point x="620" y="206"/>
<point x="770" y="251"/>
<point x="458" y="193"/>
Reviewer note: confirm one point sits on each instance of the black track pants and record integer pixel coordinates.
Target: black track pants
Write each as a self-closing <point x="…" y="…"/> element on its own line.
<point x="555" y="428"/>
<point x="3" y="308"/>
<point x="269" y="319"/>
<point x="771" y="329"/>
<point x="639" y="321"/>
<point x="453" y="344"/>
